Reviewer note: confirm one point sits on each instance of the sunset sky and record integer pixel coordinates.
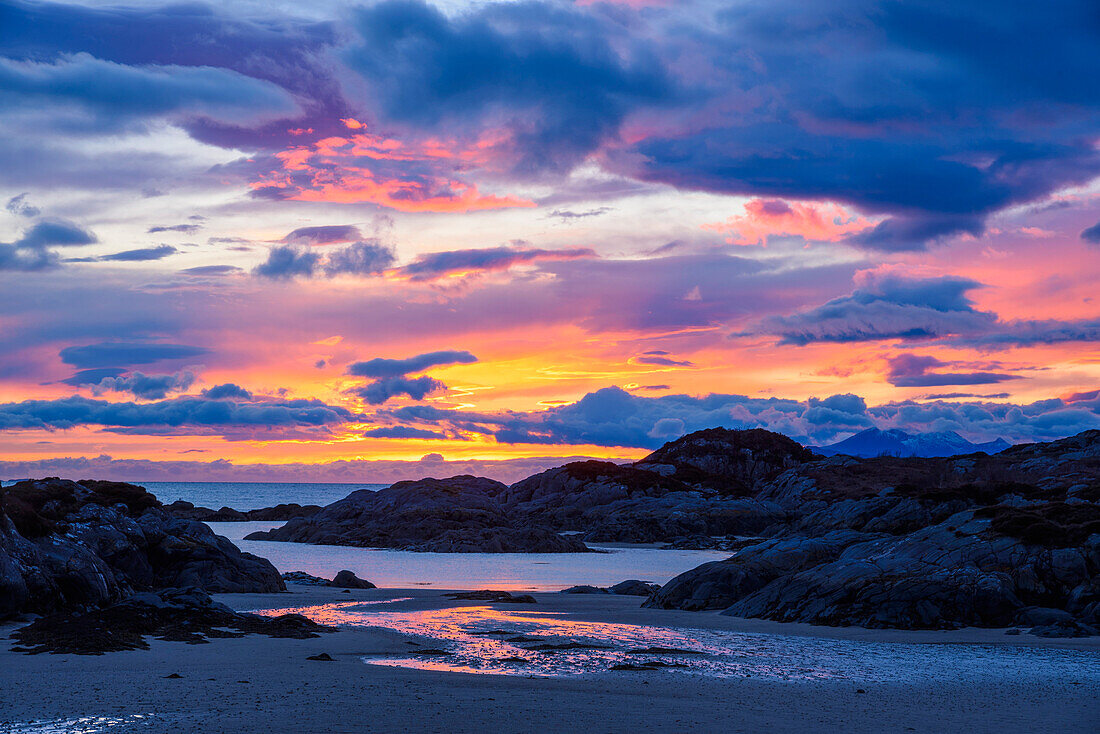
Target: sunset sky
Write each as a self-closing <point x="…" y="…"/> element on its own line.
<point x="354" y="240"/>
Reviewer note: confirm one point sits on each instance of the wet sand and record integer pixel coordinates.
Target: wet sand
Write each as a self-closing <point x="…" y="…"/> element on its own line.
<point x="258" y="684"/>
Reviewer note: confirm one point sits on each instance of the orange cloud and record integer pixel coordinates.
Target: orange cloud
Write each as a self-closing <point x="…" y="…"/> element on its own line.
<point x="764" y="218"/>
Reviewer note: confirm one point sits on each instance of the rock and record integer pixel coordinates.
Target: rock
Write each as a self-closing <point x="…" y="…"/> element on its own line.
<point x="189" y="511"/>
<point x="719" y="584"/>
<point x="323" y="657"/>
<point x="1070" y="628"/>
<point x="584" y="590"/>
<point x="78" y="545"/>
<point x="188" y="615"/>
<point x="458" y="515"/>
<point x="633" y="587"/>
<point x="175" y="676"/>
<point x="500" y="597"/>
<point x="348" y="580"/>
<point x="304" y="579"/>
<point x="1042" y="616"/>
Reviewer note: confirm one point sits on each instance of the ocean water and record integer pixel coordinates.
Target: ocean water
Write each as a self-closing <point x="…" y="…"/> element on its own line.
<point x="394" y="569"/>
<point x="253" y="495"/>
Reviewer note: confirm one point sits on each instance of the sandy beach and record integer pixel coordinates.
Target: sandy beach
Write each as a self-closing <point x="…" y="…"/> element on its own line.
<point x="258" y="684"/>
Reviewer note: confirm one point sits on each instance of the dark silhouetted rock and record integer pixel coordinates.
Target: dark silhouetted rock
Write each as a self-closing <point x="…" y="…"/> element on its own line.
<point x="348" y="580"/>
<point x="499" y="597"/>
<point x="304" y="579"/>
<point x="280" y="512"/>
<point x="323" y="657"/>
<point x="457" y="515"/>
<point x="187" y="615"/>
<point x="634" y="587"/>
<point x="77" y="545"/>
<point x="584" y="589"/>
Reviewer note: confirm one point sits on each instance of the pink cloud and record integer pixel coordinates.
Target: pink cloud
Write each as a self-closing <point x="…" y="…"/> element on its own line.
<point x="406" y="176"/>
<point x="764" y="218"/>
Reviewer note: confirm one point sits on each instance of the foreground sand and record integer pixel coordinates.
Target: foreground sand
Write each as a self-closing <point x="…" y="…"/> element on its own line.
<point x="257" y="684"/>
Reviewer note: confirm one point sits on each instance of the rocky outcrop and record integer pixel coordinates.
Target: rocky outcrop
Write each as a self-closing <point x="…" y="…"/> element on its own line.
<point x="68" y="545"/>
<point x="180" y="615"/>
<point x="632" y="587"/>
<point x="921" y="544"/>
<point x="348" y="580"/>
<point x="280" y="512"/>
<point x="460" y="514"/>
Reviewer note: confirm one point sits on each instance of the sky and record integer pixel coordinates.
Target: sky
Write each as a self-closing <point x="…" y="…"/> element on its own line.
<point x="344" y="241"/>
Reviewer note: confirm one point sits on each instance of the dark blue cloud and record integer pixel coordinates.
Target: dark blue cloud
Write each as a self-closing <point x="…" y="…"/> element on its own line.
<point x="285" y="262"/>
<point x="182" y="412"/>
<point x="661" y="358"/>
<point x="323" y="235"/>
<point x="913" y="370"/>
<point x="92" y="376"/>
<point x="1091" y="234"/>
<point x="613" y="417"/>
<point x="359" y="258"/>
<point x="144" y="254"/>
<point x="55" y="233"/>
<point x="380" y="391"/>
<point x="435" y="264"/>
<point x="19" y="206"/>
<point x="146" y="387"/>
<point x="228" y="391"/>
<point x="185" y="228"/>
<point x="934" y="113"/>
<point x="381" y="367"/>
<point x="211" y="270"/>
<point x="403" y="432"/>
<point x="887" y="306"/>
<point x="115" y="354"/>
<point x="567" y="77"/>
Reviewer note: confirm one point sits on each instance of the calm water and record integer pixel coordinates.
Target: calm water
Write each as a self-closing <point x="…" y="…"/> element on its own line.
<point x="482" y="639"/>
<point x="253" y="495"/>
<point x="393" y="569"/>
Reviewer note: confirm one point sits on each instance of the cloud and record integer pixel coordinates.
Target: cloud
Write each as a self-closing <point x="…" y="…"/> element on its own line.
<point x="403" y="432"/>
<point x="146" y="387"/>
<point x="567" y="78"/>
<point x="92" y="376"/>
<point x="323" y="235"/>
<point x="931" y="123"/>
<point x="460" y="262"/>
<point x="212" y="270"/>
<point x="1091" y="234"/>
<point x="568" y="214"/>
<point x="614" y="417"/>
<point x="359" y="258"/>
<point x="390" y="375"/>
<point x="115" y="95"/>
<point x="144" y="254"/>
<point x="185" y="228"/>
<point x="116" y="354"/>
<point x="766" y="218"/>
<point x="381" y="367"/>
<point x="227" y="391"/>
<point x="660" y="358"/>
<point x="19" y="206"/>
<point x="55" y="233"/>
<point x="182" y="413"/>
<point x="887" y="304"/>
<point x="285" y="262"/>
<point x="912" y="370"/>
<point x="383" y="389"/>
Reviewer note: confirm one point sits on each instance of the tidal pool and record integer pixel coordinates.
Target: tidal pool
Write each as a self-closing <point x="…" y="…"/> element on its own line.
<point x="527" y="641"/>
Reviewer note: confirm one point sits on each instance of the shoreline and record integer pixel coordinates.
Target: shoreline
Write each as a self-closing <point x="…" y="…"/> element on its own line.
<point x="286" y="692"/>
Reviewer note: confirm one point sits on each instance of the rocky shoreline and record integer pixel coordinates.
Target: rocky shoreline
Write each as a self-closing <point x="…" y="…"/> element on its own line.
<point x="912" y="543"/>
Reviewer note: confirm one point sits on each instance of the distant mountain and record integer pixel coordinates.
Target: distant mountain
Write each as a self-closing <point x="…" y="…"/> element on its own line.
<point x="895" y="442"/>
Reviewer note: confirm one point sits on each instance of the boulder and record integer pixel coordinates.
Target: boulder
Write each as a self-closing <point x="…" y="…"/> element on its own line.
<point x="78" y="545"/>
<point x="348" y="580"/>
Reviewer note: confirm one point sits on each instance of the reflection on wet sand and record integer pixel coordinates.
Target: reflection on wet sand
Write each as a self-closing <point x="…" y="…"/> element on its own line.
<point x="482" y="639"/>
